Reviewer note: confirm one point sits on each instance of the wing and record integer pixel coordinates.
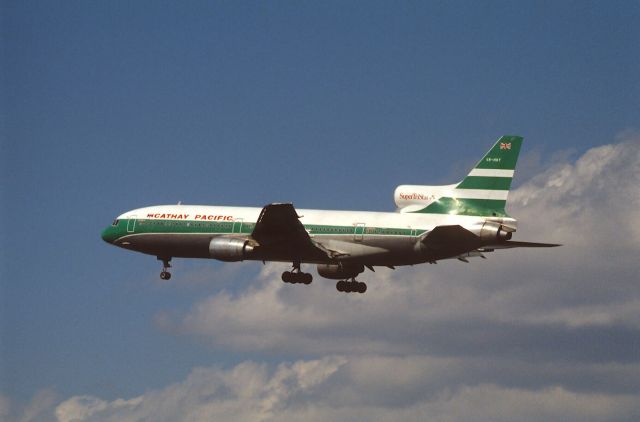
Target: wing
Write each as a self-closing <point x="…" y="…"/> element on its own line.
<point x="279" y="229"/>
<point x="278" y="222"/>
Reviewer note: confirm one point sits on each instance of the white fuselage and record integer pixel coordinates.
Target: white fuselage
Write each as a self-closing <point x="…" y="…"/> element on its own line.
<point x="371" y="238"/>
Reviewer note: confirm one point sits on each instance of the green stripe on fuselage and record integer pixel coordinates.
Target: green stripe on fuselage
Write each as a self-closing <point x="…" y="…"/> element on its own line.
<point x="464" y="206"/>
<point x="146" y="226"/>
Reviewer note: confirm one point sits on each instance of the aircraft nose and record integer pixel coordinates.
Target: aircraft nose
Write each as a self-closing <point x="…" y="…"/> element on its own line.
<point x="107" y="235"/>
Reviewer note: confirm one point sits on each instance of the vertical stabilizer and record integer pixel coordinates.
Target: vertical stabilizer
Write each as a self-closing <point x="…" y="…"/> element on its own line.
<point x="485" y="189"/>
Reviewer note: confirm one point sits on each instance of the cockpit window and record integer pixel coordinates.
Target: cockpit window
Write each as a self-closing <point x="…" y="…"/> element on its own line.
<point x="115" y="222"/>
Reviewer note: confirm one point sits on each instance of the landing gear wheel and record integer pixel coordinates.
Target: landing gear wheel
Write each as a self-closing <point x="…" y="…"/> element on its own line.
<point x="296" y="276"/>
<point x="166" y="263"/>
<point x="307" y="278"/>
<point x="352" y="286"/>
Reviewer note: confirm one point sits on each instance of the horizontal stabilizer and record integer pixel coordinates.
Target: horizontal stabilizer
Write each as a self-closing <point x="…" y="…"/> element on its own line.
<point x="515" y="244"/>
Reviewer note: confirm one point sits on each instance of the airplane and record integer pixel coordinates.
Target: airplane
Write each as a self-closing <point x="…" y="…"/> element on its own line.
<point x="432" y="223"/>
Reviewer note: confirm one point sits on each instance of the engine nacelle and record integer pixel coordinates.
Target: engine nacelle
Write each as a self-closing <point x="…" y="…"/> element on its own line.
<point x="230" y="249"/>
<point x="340" y="272"/>
<point x="492" y="232"/>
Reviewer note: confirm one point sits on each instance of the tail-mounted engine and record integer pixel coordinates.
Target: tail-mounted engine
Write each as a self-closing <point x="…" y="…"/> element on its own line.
<point x="492" y="231"/>
<point x="230" y="249"/>
<point x="340" y="271"/>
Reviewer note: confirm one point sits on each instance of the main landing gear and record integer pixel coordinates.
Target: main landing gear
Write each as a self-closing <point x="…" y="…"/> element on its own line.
<point x="296" y="276"/>
<point x="164" y="274"/>
<point x="352" y="286"/>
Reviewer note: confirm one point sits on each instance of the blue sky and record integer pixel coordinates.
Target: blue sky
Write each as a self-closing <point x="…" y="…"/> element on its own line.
<point x="116" y="105"/>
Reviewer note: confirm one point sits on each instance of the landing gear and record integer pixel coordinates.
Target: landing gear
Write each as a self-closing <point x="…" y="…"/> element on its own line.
<point x="296" y="276"/>
<point x="352" y="286"/>
<point x="164" y="274"/>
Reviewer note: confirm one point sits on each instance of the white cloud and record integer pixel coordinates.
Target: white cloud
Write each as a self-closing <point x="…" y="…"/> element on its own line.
<point x="594" y="202"/>
<point x="591" y="206"/>
<point x="249" y="391"/>
<point x="5" y="407"/>
<point x="336" y="388"/>
<point x="80" y="408"/>
<point x="493" y="403"/>
<point x="39" y="406"/>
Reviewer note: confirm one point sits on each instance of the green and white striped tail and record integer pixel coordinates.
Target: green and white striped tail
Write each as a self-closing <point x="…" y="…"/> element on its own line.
<point x="485" y="189"/>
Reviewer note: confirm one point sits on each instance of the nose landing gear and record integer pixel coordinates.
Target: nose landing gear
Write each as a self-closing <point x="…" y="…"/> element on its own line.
<point x="164" y="274"/>
<point x="352" y="286"/>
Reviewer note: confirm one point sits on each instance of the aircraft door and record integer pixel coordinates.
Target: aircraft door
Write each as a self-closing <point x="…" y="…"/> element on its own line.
<point x="131" y="224"/>
<point x="358" y="233"/>
<point x="414" y="233"/>
<point x="237" y="225"/>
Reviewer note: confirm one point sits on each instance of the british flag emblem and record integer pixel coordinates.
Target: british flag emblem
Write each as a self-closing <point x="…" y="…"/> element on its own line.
<point x="504" y="145"/>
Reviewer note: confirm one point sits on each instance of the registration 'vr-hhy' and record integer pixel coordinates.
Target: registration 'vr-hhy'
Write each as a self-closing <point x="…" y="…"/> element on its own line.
<point x="432" y="223"/>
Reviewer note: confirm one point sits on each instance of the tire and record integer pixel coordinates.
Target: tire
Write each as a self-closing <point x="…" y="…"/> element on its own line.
<point x="286" y="277"/>
<point x="362" y="287"/>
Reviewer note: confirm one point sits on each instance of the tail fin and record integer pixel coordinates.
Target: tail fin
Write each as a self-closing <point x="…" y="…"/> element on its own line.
<point x="484" y="191"/>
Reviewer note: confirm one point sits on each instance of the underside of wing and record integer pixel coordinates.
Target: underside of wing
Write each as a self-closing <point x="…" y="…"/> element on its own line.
<point x="448" y="241"/>
<point x="451" y="237"/>
<point x="277" y="222"/>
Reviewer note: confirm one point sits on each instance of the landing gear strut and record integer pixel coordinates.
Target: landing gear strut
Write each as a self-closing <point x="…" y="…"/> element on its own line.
<point x="352" y="286"/>
<point x="164" y="274"/>
<point x="296" y="276"/>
